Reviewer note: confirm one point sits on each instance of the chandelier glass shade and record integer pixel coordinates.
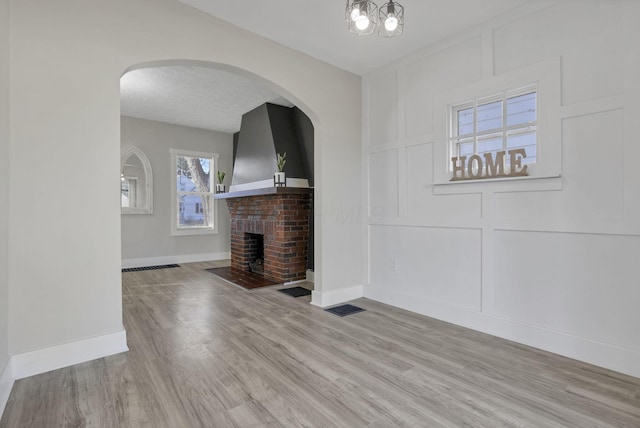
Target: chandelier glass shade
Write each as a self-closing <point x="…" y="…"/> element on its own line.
<point x="364" y="18"/>
<point x="391" y="19"/>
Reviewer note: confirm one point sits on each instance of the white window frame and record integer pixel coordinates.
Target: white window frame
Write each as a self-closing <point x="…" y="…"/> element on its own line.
<point x="193" y="230"/>
<point x="132" y="187"/>
<point x="546" y="75"/>
<point x="144" y="202"/>
<point x="502" y="132"/>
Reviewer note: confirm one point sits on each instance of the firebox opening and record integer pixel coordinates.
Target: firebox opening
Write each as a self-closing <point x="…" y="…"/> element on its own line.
<point x="256" y="255"/>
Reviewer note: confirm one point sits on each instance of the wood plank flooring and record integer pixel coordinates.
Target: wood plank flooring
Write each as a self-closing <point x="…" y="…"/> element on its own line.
<point x="204" y="353"/>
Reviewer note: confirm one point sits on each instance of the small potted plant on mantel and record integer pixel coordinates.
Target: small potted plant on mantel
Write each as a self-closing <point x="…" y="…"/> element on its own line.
<point x="279" y="178"/>
<point x="220" y="187"/>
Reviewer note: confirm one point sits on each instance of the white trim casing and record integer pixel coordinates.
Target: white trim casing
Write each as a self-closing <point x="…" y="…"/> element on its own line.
<point x="180" y="258"/>
<point x="310" y="276"/>
<point x="546" y="76"/>
<point x="331" y="298"/>
<point x="68" y="354"/>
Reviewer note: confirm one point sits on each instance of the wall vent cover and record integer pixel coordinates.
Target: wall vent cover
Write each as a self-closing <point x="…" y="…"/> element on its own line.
<point x="138" y="269"/>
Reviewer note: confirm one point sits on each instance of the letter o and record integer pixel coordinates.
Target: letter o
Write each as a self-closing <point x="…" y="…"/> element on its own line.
<point x="478" y="172"/>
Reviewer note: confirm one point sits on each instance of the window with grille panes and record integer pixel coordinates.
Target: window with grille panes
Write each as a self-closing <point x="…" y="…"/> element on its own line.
<point x="501" y="122"/>
<point x="193" y="206"/>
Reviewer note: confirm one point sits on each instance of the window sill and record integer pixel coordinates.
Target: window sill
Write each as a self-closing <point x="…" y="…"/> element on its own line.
<point x="502" y="184"/>
<point x="194" y="231"/>
<point x="136" y="211"/>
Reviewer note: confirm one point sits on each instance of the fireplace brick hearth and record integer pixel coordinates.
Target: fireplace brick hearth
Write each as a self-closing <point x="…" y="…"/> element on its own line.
<point x="283" y="220"/>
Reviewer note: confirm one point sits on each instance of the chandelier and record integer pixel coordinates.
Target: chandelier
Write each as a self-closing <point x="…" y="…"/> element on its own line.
<point x="364" y="18"/>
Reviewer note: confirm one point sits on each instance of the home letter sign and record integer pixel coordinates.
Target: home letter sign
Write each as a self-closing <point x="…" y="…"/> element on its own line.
<point x="493" y="166"/>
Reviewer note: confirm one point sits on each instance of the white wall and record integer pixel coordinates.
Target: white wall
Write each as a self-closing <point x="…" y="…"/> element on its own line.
<point x="4" y="184"/>
<point x="66" y="61"/>
<point x="548" y="262"/>
<point x="148" y="237"/>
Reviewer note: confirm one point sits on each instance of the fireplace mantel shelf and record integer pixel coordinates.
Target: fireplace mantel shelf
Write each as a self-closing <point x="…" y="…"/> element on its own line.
<point x="264" y="191"/>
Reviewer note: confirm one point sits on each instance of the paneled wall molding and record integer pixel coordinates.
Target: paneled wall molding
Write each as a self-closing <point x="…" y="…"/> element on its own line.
<point x="403" y="191"/>
<point x="516" y="225"/>
<point x="548" y="260"/>
<point x="401" y="144"/>
<point x="499" y="185"/>
<point x="584" y="227"/>
<point x="630" y="96"/>
<point x="584" y="108"/>
<point x="520" y="12"/>
<point x="598" y="105"/>
<point x="487" y="54"/>
<point x="436" y="223"/>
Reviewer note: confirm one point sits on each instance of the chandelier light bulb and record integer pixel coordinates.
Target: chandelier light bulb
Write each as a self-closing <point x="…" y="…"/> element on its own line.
<point x="391" y="23"/>
<point x="362" y="22"/>
<point x="355" y="14"/>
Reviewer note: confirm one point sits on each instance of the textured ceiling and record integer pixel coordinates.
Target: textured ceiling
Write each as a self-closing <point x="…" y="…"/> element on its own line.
<point x="192" y="96"/>
<point x="317" y="27"/>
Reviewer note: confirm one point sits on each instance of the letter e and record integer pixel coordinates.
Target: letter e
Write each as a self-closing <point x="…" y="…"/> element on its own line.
<point x="516" y="162"/>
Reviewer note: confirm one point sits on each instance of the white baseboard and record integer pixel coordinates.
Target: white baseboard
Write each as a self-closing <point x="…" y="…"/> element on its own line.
<point x="6" y="383"/>
<point x="175" y="259"/>
<point x="335" y="297"/>
<point x="68" y="354"/>
<point x="310" y="276"/>
<point x="605" y="355"/>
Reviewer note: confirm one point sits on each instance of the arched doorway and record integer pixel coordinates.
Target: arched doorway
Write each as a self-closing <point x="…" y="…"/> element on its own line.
<point x="210" y="89"/>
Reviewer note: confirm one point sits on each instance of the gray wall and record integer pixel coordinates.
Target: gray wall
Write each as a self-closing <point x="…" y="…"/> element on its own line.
<point x="149" y="236"/>
<point x="4" y="180"/>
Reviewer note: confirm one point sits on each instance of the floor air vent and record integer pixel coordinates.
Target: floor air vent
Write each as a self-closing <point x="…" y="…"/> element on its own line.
<point x="295" y="291"/>
<point x="138" y="269"/>
<point x="344" y="310"/>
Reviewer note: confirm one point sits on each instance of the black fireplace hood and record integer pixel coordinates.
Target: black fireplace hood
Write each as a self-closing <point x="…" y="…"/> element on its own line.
<point x="265" y="131"/>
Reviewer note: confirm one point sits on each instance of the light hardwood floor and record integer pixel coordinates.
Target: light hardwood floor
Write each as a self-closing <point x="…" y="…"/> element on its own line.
<point x="204" y="353"/>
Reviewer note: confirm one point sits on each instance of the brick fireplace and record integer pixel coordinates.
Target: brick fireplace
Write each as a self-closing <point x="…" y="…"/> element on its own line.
<point x="279" y="220"/>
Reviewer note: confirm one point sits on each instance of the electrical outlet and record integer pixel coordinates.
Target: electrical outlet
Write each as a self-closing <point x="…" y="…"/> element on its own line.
<point x="393" y="265"/>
